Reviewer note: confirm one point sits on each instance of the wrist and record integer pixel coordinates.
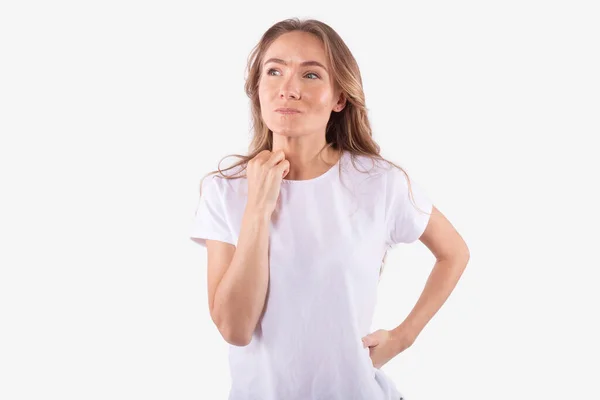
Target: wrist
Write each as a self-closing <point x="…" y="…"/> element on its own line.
<point x="403" y="336"/>
<point x="257" y="213"/>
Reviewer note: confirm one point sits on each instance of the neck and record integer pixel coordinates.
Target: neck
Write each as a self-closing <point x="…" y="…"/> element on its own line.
<point x="307" y="161"/>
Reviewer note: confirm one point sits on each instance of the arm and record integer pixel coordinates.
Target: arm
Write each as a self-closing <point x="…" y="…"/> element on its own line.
<point x="239" y="296"/>
<point x="452" y="256"/>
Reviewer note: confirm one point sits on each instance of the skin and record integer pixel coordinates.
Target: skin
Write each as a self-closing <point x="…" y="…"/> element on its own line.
<point x="312" y="90"/>
<point x="309" y="88"/>
<point x="452" y="256"/>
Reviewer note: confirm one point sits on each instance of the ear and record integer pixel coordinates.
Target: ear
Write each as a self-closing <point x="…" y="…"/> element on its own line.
<point x="341" y="103"/>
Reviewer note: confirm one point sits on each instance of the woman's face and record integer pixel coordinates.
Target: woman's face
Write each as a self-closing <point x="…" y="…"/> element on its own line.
<point x="296" y="74"/>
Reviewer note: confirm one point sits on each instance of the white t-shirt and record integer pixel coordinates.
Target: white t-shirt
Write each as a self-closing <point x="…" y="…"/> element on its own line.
<point x="327" y="240"/>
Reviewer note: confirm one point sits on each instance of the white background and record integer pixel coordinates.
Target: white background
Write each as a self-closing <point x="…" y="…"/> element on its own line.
<point x="112" y="111"/>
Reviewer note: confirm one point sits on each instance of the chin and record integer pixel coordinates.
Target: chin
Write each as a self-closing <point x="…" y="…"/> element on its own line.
<point x="285" y="130"/>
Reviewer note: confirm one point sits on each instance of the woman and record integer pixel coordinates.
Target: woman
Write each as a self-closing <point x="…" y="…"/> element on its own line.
<point x="296" y="234"/>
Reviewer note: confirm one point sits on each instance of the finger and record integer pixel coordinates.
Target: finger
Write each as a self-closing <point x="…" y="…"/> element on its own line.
<point x="263" y="156"/>
<point x="284" y="167"/>
<point x="275" y="158"/>
<point x="372" y="341"/>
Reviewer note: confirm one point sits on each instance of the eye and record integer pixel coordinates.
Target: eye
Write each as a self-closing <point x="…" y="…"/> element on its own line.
<point x="310" y="73"/>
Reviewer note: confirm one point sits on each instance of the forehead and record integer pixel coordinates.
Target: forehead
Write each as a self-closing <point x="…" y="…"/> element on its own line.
<point x="297" y="47"/>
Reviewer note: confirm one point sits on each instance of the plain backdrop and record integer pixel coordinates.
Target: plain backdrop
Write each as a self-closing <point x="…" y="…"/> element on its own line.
<point x="111" y="112"/>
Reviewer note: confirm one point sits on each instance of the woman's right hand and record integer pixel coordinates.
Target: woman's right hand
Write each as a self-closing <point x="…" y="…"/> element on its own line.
<point x="265" y="172"/>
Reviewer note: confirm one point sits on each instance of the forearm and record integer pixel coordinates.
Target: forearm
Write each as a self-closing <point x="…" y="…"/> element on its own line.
<point x="439" y="285"/>
<point x="240" y="296"/>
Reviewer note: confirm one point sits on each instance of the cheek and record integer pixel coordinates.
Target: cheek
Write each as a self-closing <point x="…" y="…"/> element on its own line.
<point x="266" y="85"/>
<point x="323" y="98"/>
<point x="263" y="95"/>
<point x="261" y="92"/>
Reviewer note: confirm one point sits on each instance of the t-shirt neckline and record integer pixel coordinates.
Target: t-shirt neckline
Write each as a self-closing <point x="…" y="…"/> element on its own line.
<point x="329" y="172"/>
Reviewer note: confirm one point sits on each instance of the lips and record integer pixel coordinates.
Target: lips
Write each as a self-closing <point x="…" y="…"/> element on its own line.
<point x="287" y="110"/>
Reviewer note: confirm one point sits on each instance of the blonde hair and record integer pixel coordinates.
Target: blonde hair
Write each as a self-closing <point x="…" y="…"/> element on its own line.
<point x="348" y="130"/>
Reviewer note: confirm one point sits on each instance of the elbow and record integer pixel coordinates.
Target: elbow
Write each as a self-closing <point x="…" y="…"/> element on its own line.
<point x="462" y="253"/>
<point x="238" y="340"/>
<point x="464" y="256"/>
<point x="467" y="254"/>
<point x="231" y="333"/>
<point x="236" y="337"/>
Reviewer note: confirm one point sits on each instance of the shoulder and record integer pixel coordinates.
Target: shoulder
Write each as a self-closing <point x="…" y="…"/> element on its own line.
<point x="227" y="177"/>
<point x="370" y="167"/>
<point x="229" y="187"/>
<point x="224" y="187"/>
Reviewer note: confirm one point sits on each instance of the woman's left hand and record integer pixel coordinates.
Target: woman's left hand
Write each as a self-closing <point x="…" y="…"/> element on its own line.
<point x="384" y="345"/>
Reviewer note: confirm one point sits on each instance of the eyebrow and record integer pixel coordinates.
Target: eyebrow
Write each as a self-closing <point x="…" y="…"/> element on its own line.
<point x="305" y="63"/>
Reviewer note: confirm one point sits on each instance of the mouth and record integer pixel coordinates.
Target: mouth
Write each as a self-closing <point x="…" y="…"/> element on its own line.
<point x="287" y="111"/>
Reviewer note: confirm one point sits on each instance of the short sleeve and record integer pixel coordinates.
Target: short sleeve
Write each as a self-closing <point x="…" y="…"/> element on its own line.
<point x="210" y="221"/>
<point x="404" y="222"/>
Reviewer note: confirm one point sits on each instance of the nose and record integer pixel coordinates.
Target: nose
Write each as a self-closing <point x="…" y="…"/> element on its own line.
<point x="288" y="90"/>
<point x="289" y="94"/>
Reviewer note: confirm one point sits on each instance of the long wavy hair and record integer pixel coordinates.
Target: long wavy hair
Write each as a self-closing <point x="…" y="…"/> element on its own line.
<point x="348" y="130"/>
